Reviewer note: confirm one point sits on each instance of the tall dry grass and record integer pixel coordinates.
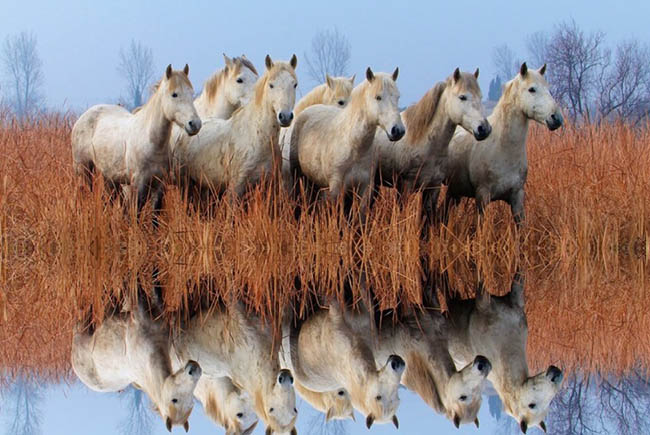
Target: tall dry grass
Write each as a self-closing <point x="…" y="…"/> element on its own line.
<point x="63" y="249"/>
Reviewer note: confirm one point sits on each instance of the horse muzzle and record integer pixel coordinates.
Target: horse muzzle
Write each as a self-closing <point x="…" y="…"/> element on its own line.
<point x="193" y="127"/>
<point x="483" y="130"/>
<point x="555" y="121"/>
<point x="285" y="118"/>
<point x="396" y="133"/>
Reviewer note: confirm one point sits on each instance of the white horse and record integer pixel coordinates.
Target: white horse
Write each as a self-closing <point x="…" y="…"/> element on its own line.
<point x="226" y="405"/>
<point x="228" y="89"/>
<point x="130" y="348"/>
<point x="327" y="354"/>
<point x="496" y="168"/>
<point x="133" y="149"/>
<point x="230" y="342"/>
<point x="333" y="148"/>
<point x="418" y="161"/>
<point x="496" y="327"/>
<point x="334" y="92"/>
<point x="236" y="153"/>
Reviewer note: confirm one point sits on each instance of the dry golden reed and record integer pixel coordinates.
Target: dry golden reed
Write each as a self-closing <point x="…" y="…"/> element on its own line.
<point x="64" y="249"/>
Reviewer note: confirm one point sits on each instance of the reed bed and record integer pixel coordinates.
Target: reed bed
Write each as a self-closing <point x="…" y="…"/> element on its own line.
<point x="584" y="249"/>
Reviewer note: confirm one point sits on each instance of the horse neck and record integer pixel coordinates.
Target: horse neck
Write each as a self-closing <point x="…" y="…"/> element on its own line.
<point x="156" y="124"/>
<point x="355" y="124"/>
<point x="219" y="107"/>
<point x="154" y="374"/>
<point x="441" y="129"/>
<point x="261" y="115"/>
<point x="509" y="372"/>
<point x="509" y="126"/>
<point x="315" y="96"/>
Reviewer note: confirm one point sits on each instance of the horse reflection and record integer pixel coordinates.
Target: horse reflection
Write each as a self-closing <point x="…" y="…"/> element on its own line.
<point x="227" y="341"/>
<point x="421" y="339"/>
<point x="496" y="327"/>
<point x="327" y="354"/>
<point x="131" y="348"/>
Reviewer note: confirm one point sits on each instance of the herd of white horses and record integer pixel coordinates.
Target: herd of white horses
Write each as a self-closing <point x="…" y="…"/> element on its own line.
<point x="339" y="138"/>
<point x="337" y="359"/>
<point x="344" y="138"/>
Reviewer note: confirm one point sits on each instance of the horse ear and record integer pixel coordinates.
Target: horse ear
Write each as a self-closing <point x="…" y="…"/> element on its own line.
<point x="456" y="74"/>
<point x="542" y="70"/>
<point x="395" y="422"/>
<point x="369" y="421"/>
<point x="369" y="75"/>
<point x="294" y="431"/>
<point x="352" y="79"/>
<point x="227" y="60"/>
<point x="523" y="426"/>
<point x="523" y="70"/>
<point x="542" y="424"/>
<point x="168" y="71"/>
<point x="330" y="82"/>
<point x="186" y="70"/>
<point x="330" y="414"/>
<point x="268" y="431"/>
<point x="135" y="384"/>
<point x="476" y="73"/>
<point x="456" y="421"/>
<point x="293" y="62"/>
<point x="352" y="415"/>
<point x="168" y="424"/>
<point x="395" y="74"/>
<point x="268" y="62"/>
<point x="186" y="426"/>
<point x="476" y="422"/>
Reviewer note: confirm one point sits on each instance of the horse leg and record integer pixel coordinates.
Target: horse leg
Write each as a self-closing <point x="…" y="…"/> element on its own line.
<point x="448" y="202"/>
<point x="429" y="205"/>
<point x="158" y="195"/>
<point x="86" y="171"/>
<point x="517" y="207"/>
<point x="482" y="200"/>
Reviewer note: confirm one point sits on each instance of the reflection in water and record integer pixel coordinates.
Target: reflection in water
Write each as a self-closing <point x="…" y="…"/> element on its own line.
<point x="22" y="407"/>
<point x="496" y="327"/>
<point x="138" y="419"/>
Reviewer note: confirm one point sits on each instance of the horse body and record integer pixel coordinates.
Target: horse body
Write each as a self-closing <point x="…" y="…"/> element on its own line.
<point x="333" y="148"/>
<point x="130" y="348"/>
<point x="419" y="159"/>
<point x="335" y="92"/>
<point x="327" y="355"/>
<point x="237" y="152"/>
<point x="133" y="148"/>
<point x="229" y="342"/>
<point x="496" y="327"/>
<point x="496" y="169"/>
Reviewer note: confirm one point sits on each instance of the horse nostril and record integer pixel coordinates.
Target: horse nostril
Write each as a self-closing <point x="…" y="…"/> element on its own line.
<point x="291" y="116"/>
<point x="481" y="129"/>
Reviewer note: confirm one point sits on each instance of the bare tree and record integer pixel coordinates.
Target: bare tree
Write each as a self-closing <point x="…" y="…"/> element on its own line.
<point x="330" y="54"/>
<point x="138" y="420"/>
<point x="136" y="65"/>
<point x="24" y="415"/>
<point x="23" y="73"/>
<point x="625" y="87"/>
<point x="318" y="425"/>
<point x="537" y="47"/>
<point x="505" y="62"/>
<point x="577" y="63"/>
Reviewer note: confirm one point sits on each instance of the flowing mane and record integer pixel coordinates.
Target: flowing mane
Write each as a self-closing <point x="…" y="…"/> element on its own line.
<point x="418" y="116"/>
<point x="315" y="96"/>
<point x="214" y="411"/>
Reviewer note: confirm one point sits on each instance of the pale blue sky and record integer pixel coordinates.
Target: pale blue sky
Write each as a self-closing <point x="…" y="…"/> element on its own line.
<point x="79" y="40"/>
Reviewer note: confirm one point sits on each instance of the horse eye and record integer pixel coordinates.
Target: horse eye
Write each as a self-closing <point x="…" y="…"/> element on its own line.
<point x="174" y="95"/>
<point x="295" y="85"/>
<point x="341" y="393"/>
<point x="341" y="102"/>
<point x="271" y="410"/>
<point x="531" y="90"/>
<point x="271" y="85"/>
<point x="240" y="414"/>
<point x="463" y="98"/>
<point x="240" y="80"/>
<point x="378" y="97"/>
<point x="531" y="405"/>
<point x="378" y="398"/>
<point x="463" y="398"/>
<point x="295" y="410"/>
<point x="174" y="400"/>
